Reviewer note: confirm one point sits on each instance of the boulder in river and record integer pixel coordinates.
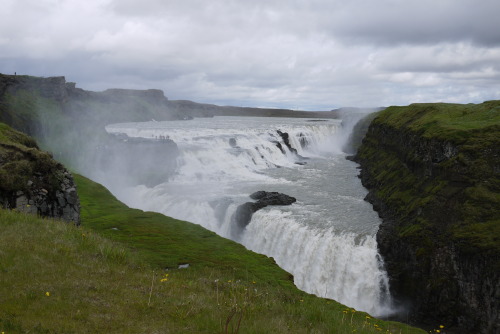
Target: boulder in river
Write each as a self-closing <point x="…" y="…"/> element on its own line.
<point x="244" y="212"/>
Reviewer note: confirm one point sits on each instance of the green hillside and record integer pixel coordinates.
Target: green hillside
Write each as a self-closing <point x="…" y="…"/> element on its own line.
<point x="118" y="273"/>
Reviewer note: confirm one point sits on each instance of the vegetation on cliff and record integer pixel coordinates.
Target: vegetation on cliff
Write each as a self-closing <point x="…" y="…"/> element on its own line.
<point x="461" y="166"/>
<point x="432" y="171"/>
<point x="20" y="157"/>
<point x="31" y="181"/>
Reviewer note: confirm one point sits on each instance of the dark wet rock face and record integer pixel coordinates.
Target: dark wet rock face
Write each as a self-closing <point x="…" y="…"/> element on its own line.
<point x="436" y="196"/>
<point x="244" y="212"/>
<point x="286" y="139"/>
<point x="272" y="198"/>
<point x="61" y="202"/>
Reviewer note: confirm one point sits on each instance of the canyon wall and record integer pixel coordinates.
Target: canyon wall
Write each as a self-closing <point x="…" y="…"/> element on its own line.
<point x="432" y="171"/>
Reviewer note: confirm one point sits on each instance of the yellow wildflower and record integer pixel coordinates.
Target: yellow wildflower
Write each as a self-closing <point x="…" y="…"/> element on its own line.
<point x="47" y="294"/>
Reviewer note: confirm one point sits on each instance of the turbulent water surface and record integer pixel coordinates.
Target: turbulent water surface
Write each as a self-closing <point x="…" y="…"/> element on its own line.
<point x="326" y="239"/>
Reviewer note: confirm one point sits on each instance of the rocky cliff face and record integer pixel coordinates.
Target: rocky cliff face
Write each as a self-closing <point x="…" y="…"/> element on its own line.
<point x="31" y="97"/>
<point x="433" y="175"/>
<point x="32" y="182"/>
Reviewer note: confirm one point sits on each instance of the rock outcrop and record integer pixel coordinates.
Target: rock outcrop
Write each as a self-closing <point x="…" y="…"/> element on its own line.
<point x="244" y="212"/>
<point x="32" y="182"/>
<point x="432" y="171"/>
<point x="286" y="140"/>
<point x="285" y="136"/>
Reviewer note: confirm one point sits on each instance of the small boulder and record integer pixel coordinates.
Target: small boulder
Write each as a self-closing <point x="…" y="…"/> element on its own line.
<point x="244" y="212"/>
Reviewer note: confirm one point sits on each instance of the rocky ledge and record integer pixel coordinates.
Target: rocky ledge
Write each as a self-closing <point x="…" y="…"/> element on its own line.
<point x="32" y="182"/>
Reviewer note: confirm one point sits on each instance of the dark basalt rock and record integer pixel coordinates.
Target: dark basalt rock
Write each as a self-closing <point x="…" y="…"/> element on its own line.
<point x="244" y="212"/>
<point x="272" y="198"/>
<point x="286" y="139"/>
<point x="443" y="268"/>
<point x="278" y="145"/>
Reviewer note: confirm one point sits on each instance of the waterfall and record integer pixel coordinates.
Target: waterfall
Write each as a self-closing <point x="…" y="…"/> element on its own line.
<point x="340" y="266"/>
<point x="326" y="240"/>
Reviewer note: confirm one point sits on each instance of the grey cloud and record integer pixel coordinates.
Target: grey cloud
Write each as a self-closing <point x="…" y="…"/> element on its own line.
<point x="443" y="58"/>
<point x="315" y="54"/>
<point x="418" y="22"/>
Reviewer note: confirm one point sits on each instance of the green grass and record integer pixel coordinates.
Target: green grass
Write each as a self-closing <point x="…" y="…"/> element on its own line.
<point x="453" y="122"/>
<point x="20" y="160"/>
<point x="103" y="280"/>
<point x="11" y="137"/>
<point x="167" y="242"/>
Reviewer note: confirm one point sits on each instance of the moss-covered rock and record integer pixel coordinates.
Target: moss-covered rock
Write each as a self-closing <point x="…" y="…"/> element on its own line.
<point x="433" y="175"/>
<point x="31" y="181"/>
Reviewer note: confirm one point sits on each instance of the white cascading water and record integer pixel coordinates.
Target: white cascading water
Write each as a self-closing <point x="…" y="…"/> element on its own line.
<point x="326" y="239"/>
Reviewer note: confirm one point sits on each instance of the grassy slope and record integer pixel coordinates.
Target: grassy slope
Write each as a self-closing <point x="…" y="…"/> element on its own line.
<point x="457" y="123"/>
<point x="99" y="285"/>
<point x="20" y="158"/>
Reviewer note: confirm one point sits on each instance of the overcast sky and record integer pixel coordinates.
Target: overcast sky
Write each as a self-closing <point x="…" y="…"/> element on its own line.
<point x="300" y="54"/>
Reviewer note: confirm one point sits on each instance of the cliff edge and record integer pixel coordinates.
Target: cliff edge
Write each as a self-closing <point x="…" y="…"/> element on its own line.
<point x="432" y="171"/>
<point x="32" y="182"/>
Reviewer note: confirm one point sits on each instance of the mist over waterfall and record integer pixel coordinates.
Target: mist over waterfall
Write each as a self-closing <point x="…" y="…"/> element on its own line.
<point x="326" y="239"/>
